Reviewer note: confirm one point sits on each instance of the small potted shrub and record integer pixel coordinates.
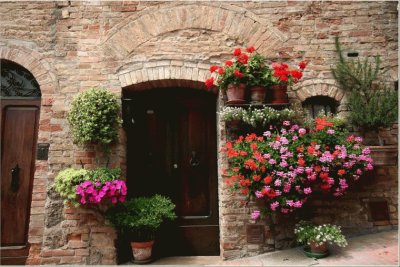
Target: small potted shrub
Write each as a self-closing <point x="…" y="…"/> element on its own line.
<point x="317" y="238"/>
<point x="140" y="218"/>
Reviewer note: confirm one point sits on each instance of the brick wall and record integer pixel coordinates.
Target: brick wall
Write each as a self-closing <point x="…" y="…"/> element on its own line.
<point x="70" y="46"/>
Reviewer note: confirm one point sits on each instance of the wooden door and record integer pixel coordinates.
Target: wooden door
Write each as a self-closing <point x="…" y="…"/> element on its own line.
<point x="172" y="151"/>
<point x="19" y="122"/>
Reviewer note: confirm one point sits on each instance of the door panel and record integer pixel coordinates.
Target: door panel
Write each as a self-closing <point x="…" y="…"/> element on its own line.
<point x="19" y="120"/>
<point x="172" y="151"/>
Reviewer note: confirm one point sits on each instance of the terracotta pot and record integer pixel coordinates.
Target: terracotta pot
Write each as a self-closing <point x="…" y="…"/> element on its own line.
<point x="236" y="93"/>
<point x="318" y="249"/>
<point x="278" y="94"/>
<point x="142" y="251"/>
<point x="258" y="94"/>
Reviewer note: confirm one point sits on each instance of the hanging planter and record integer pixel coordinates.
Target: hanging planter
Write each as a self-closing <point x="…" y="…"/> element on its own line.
<point x="236" y="93"/>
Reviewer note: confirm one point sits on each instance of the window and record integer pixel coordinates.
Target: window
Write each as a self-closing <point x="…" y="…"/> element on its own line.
<point x="16" y="81"/>
<point x="320" y="104"/>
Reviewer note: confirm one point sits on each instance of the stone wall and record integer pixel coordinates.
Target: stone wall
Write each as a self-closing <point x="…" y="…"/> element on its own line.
<point x="71" y="45"/>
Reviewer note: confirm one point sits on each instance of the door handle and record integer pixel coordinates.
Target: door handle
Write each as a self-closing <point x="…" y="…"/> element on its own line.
<point x="194" y="160"/>
<point x="15" y="178"/>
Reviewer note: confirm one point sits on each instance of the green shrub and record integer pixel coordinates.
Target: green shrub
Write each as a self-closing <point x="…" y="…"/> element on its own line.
<point x="94" y="117"/>
<point x="66" y="181"/>
<point x="371" y="102"/>
<point x="141" y="216"/>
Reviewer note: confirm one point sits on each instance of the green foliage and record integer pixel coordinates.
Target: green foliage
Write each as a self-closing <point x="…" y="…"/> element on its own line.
<point x="94" y="117"/>
<point x="307" y="232"/>
<point x="65" y="184"/>
<point x="66" y="181"/>
<point x="104" y="174"/>
<point x="374" y="109"/>
<point x="371" y="103"/>
<point x="141" y="216"/>
<point x="258" y="73"/>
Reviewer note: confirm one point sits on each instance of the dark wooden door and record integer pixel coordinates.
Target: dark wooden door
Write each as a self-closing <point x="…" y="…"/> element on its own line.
<point x="19" y="122"/>
<point x="172" y="151"/>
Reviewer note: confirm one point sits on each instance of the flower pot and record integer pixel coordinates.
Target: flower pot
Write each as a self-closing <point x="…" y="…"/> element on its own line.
<point x="142" y="251"/>
<point x="236" y="93"/>
<point x="258" y="94"/>
<point x="315" y="255"/>
<point x="323" y="248"/>
<point x="278" y="94"/>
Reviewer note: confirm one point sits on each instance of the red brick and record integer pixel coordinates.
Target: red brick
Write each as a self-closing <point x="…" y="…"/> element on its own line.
<point x="47" y="101"/>
<point x="50" y="261"/>
<point x="74" y="236"/>
<point x="57" y="252"/>
<point x="82" y="252"/>
<point x="71" y="259"/>
<point x="77" y="244"/>
<point x="56" y="128"/>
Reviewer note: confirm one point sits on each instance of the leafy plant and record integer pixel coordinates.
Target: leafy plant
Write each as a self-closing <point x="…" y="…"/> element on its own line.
<point x="141" y="216"/>
<point x="91" y="185"/>
<point x="306" y="232"/>
<point x="258" y="73"/>
<point x="371" y="102"/>
<point x="66" y="181"/>
<point x="94" y="117"/>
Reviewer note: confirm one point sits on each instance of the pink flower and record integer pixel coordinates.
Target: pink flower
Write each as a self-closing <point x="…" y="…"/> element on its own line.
<point x="255" y="215"/>
<point x="307" y="190"/>
<point x="297" y="204"/>
<point x="274" y="205"/>
<point x="302" y="131"/>
<point x="258" y="194"/>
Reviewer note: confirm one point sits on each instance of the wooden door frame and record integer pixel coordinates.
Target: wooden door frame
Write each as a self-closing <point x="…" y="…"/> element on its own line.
<point x="129" y="93"/>
<point x="22" y="251"/>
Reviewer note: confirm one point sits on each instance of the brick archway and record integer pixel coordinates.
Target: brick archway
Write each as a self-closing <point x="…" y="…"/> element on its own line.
<point x="166" y="74"/>
<point x="214" y="17"/>
<point x="34" y="62"/>
<point x="310" y="88"/>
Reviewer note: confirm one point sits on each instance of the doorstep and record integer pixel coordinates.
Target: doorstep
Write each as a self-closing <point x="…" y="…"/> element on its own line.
<point x="185" y="260"/>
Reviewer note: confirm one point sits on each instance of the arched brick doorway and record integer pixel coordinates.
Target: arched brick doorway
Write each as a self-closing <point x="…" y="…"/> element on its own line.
<point x="20" y="109"/>
<point x="172" y="150"/>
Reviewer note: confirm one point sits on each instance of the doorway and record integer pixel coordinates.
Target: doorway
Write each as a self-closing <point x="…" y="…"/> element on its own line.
<point x="20" y="110"/>
<point x="172" y="150"/>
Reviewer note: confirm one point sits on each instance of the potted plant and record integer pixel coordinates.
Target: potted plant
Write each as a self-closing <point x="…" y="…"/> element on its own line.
<point x="283" y="77"/>
<point x="90" y="188"/>
<point x="140" y="218"/>
<point x="317" y="237"/>
<point x="259" y="77"/>
<point x="232" y="77"/>
<point x="372" y="103"/>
